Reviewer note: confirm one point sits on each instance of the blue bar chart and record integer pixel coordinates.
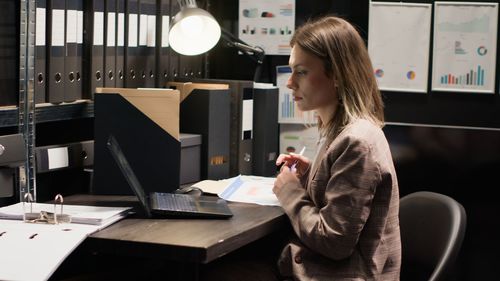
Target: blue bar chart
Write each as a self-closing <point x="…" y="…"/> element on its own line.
<point x="471" y="78"/>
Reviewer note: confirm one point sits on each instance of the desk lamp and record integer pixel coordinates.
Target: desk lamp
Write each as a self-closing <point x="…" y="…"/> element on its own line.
<point x="195" y="31"/>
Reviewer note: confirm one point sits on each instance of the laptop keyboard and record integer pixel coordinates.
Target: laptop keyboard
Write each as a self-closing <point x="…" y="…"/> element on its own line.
<point x="175" y="202"/>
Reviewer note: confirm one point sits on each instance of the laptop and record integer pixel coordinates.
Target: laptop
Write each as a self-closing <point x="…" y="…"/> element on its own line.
<point x="159" y="204"/>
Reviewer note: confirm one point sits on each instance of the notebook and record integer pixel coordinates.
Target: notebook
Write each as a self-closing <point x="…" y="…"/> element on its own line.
<point x="168" y="204"/>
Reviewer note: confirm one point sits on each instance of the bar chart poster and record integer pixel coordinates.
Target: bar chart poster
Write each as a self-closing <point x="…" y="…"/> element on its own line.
<point x="465" y="47"/>
<point x="399" y="45"/>
<point x="267" y="24"/>
<point x="288" y="111"/>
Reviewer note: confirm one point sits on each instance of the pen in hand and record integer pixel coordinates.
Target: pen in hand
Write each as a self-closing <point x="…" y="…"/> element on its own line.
<point x="294" y="165"/>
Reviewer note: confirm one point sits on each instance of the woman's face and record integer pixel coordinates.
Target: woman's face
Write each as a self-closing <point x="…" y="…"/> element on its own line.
<point x="312" y="88"/>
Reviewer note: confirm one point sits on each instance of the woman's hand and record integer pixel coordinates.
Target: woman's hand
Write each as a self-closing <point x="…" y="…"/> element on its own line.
<point x="294" y="161"/>
<point x="294" y="166"/>
<point x="285" y="176"/>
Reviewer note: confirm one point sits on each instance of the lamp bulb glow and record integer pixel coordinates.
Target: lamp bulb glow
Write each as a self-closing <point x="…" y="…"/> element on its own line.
<point x="192" y="25"/>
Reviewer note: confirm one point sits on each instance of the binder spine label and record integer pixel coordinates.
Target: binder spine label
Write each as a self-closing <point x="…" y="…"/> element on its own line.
<point x="40" y="27"/>
<point x="98" y="28"/>
<point x="57" y="28"/>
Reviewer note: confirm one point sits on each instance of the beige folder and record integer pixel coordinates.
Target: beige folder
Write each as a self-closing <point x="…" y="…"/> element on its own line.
<point x="185" y="88"/>
<point x="160" y="105"/>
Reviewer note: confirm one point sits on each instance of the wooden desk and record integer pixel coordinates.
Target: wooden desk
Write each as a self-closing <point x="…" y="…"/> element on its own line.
<point x="196" y="241"/>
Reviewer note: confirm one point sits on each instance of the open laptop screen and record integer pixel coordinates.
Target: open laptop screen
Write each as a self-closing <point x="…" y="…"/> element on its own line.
<point x="129" y="175"/>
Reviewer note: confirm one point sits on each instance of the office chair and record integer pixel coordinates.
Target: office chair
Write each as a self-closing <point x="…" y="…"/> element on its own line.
<point x="432" y="232"/>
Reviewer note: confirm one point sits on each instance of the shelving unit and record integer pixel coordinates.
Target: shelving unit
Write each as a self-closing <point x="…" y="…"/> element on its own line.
<point x="49" y="112"/>
<point x="26" y="109"/>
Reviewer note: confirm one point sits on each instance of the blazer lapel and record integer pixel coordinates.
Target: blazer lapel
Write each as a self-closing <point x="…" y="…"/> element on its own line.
<point x="317" y="161"/>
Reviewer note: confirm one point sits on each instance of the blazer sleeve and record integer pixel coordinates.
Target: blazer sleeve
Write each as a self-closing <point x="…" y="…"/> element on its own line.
<point x="343" y="189"/>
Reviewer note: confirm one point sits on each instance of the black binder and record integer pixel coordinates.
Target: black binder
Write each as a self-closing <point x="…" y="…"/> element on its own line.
<point x="94" y="41"/>
<point x="162" y="49"/>
<point x="266" y="132"/>
<point x="153" y="152"/>
<point x="56" y="50"/>
<point x="79" y="49"/>
<point x="120" y="44"/>
<point x="173" y="56"/>
<point x="12" y="156"/>
<point x="206" y="112"/>
<point x="148" y="16"/>
<point x="9" y="53"/>
<point x="191" y="66"/>
<point x="71" y="54"/>
<point x="40" y="50"/>
<point x="110" y="44"/>
<point x="241" y="93"/>
<point x="131" y="44"/>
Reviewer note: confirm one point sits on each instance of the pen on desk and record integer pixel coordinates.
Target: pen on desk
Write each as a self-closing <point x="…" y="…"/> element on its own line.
<point x="294" y="165"/>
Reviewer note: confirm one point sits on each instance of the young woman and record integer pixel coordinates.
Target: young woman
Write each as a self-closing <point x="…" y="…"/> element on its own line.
<point x="343" y="206"/>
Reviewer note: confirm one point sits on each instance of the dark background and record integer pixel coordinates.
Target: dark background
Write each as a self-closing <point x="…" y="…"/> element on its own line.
<point x="433" y="146"/>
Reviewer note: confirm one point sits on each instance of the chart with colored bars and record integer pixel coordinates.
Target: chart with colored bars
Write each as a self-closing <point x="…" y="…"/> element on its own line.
<point x="473" y="78"/>
<point x="465" y="42"/>
<point x="288" y="111"/>
<point x="267" y="24"/>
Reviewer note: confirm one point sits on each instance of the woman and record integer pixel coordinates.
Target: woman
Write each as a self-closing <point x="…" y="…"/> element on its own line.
<point x="344" y="205"/>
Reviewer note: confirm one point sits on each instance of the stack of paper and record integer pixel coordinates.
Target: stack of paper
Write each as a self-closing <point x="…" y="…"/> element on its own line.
<point x="33" y="251"/>
<point x="79" y="214"/>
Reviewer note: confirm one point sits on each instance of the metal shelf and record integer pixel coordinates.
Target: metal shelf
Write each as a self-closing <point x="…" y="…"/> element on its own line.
<point x="49" y="112"/>
<point x="9" y="116"/>
<point x="64" y="111"/>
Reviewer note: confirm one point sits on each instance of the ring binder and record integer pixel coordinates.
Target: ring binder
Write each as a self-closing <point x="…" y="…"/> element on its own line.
<point x="27" y="216"/>
<point x="45" y="216"/>
<point x="63" y="218"/>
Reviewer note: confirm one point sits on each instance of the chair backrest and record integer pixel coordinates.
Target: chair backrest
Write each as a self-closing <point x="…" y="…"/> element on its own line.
<point x="432" y="232"/>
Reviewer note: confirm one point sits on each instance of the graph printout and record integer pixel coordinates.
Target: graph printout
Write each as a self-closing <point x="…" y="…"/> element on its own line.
<point x="465" y="47"/>
<point x="398" y="43"/>
<point x="267" y="24"/>
<point x="288" y="112"/>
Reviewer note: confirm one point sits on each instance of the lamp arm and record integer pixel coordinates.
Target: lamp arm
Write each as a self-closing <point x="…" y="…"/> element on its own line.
<point x="255" y="53"/>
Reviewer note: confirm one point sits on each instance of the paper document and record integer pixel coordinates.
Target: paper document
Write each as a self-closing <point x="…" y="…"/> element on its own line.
<point x="33" y="251"/>
<point x="251" y="189"/>
<point x="212" y="186"/>
<point x="79" y="214"/>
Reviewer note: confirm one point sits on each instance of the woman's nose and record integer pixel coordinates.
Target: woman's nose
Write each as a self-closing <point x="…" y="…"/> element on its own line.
<point x="290" y="84"/>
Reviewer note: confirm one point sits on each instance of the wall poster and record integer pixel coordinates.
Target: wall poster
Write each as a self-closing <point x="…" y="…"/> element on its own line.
<point x="465" y="47"/>
<point x="398" y="43"/>
<point x="267" y="24"/>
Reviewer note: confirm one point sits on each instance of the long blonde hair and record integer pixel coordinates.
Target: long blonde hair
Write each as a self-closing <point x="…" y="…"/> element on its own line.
<point x="345" y="57"/>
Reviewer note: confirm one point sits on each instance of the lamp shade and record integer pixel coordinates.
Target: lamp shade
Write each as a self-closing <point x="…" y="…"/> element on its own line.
<point x="193" y="31"/>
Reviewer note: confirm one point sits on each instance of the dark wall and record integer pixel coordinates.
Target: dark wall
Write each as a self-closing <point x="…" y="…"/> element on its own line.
<point x="463" y="164"/>
<point x="460" y="162"/>
<point x="225" y="63"/>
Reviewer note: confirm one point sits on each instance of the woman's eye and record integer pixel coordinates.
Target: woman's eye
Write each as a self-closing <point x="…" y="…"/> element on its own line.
<point x="301" y="72"/>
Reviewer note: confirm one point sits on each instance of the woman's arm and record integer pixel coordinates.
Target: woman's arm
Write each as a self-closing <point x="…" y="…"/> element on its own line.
<point x="343" y="189"/>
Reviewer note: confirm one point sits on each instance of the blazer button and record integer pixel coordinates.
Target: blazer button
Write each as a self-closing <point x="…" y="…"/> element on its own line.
<point x="298" y="259"/>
